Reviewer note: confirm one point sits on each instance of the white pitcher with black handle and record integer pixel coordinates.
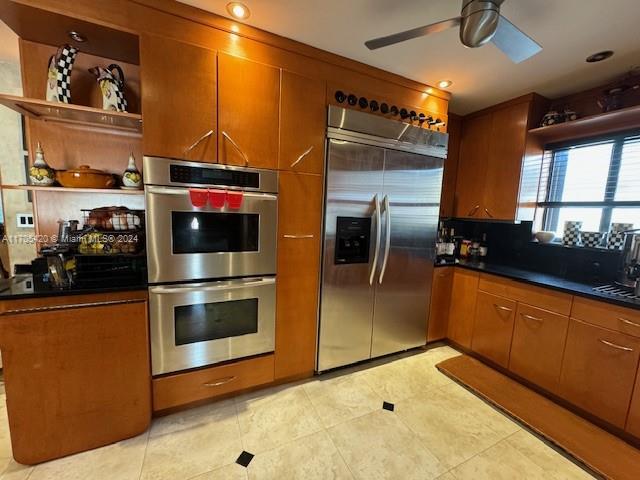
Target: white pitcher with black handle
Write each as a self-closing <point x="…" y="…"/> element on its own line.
<point x="111" y="82"/>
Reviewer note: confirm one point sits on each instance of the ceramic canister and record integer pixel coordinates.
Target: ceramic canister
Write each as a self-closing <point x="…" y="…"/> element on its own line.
<point x="615" y="240"/>
<point x="571" y="234"/>
<point x="592" y="239"/>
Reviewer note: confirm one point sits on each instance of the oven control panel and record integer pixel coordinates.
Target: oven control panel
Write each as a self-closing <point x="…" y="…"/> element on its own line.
<point x="214" y="176"/>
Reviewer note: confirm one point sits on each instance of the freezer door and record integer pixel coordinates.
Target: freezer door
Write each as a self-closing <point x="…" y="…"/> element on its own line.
<point x="411" y="204"/>
<point x="354" y="183"/>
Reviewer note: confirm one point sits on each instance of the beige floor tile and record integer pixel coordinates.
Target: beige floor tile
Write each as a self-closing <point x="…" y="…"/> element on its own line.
<point x="380" y="446"/>
<point x="16" y="471"/>
<point x="555" y="465"/>
<point x="500" y="462"/>
<point x="197" y="448"/>
<point x="341" y="399"/>
<point x="452" y="430"/>
<point x="310" y="458"/>
<point x="5" y="439"/>
<point x="121" y="461"/>
<point x="193" y="417"/>
<point x="269" y="421"/>
<point x="403" y="378"/>
<point x="446" y="476"/>
<point x="228" y="472"/>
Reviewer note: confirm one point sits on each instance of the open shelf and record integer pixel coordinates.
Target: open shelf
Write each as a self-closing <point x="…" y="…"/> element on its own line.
<point x="617" y="120"/>
<point x="37" y="188"/>
<point x="74" y="114"/>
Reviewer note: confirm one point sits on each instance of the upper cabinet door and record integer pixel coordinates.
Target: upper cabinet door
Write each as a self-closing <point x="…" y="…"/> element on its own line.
<point x="506" y="150"/>
<point x="302" y="124"/>
<point x="248" y="112"/>
<point x="474" y="150"/>
<point x="178" y="99"/>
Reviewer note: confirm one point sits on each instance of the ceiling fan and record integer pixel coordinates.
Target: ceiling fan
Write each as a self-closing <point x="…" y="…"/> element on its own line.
<point x="480" y="22"/>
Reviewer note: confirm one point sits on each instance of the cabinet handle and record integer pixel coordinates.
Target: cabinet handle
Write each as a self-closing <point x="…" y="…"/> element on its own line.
<point x="629" y="322"/>
<point x="301" y="157"/>
<point x="194" y="144"/>
<point x="500" y="307"/>
<point x="473" y="211"/>
<point x="618" y="347"/>
<point x="222" y="381"/>
<point x="529" y="317"/>
<point x="297" y="236"/>
<point x="235" y="145"/>
<point x="68" y="306"/>
<point x="488" y="212"/>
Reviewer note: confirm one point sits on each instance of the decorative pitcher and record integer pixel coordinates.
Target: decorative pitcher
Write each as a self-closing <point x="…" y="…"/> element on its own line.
<point x="111" y="81"/>
<point x="131" y="178"/>
<point x="40" y="173"/>
<point x="59" y="74"/>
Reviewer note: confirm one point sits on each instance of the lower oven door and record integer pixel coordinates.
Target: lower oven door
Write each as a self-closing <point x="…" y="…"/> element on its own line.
<point x="198" y="324"/>
<point x="185" y="242"/>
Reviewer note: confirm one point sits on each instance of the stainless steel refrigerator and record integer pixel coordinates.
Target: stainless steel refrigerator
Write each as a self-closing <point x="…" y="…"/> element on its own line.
<point x="384" y="179"/>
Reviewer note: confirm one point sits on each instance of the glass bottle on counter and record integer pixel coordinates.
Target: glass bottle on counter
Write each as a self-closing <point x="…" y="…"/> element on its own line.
<point x="483" y="248"/>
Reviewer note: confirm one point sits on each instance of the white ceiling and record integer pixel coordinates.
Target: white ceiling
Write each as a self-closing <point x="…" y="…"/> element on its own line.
<point x="569" y="31"/>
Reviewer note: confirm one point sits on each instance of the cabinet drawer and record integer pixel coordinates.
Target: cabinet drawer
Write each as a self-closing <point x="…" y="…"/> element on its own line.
<point x="540" y="297"/>
<point x="598" y="371"/>
<point x="538" y="344"/>
<point x="620" y="319"/>
<point x="493" y="327"/>
<point x="184" y="388"/>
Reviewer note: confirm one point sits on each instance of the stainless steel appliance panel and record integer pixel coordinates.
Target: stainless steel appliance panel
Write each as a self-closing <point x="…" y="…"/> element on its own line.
<point x="169" y="256"/>
<point x="354" y="184"/>
<point x="411" y="205"/>
<point x="198" y="324"/>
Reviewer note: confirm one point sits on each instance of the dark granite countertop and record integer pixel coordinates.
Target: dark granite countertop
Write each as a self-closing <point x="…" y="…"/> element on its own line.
<point x="21" y="286"/>
<point x="546" y="280"/>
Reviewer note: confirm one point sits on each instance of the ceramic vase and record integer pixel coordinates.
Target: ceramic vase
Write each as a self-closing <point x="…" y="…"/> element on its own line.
<point x="132" y="178"/>
<point x="40" y="173"/>
<point x="571" y="234"/>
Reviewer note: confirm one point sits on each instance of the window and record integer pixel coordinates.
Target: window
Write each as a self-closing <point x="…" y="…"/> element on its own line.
<point x="595" y="182"/>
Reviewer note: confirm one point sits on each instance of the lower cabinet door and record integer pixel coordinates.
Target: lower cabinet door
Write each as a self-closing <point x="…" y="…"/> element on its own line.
<point x="464" y="290"/>
<point x="440" y="303"/>
<point x="538" y="344"/>
<point x="493" y="327"/>
<point x="633" y="419"/>
<point x="599" y="370"/>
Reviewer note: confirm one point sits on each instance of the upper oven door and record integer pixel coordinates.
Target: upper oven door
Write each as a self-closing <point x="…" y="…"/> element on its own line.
<point x="190" y="243"/>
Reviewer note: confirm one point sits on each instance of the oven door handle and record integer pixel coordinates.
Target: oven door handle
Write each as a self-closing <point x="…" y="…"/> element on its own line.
<point x="157" y="190"/>
<point x="212" y="287"/>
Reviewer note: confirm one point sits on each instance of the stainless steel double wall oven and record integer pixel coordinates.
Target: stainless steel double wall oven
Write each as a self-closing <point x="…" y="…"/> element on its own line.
<point x="211" y="248"/>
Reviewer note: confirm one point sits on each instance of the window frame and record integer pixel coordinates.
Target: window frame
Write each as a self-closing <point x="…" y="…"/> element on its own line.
<point x="555" y="185"/>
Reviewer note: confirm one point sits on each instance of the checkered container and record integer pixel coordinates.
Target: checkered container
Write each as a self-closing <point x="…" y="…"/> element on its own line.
<point x="571" y="234"/>
<point x="615" y="239"/>
<point x="60" y="66"/>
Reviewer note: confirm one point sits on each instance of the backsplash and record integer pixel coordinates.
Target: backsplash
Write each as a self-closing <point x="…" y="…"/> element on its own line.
<point x="511" y="244"/>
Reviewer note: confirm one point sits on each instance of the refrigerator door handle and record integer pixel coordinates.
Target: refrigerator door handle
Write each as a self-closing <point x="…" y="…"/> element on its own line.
<point x="376" y="201"/>
<point x="387" y="245"/>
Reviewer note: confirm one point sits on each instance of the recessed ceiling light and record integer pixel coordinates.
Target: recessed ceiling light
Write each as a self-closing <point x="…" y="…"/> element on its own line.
<point x="598" y="57"/>
<point x="238" y="10"/>
<point x="445" y="83"/>
<point x="78" y="37"/>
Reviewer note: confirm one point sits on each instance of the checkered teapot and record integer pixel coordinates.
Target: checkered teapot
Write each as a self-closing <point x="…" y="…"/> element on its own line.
<point x="59" y="74"/>
<point x="111" y="82"/>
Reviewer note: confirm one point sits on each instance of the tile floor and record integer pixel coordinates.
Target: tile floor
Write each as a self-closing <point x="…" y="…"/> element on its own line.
<point x="330" y="427"/>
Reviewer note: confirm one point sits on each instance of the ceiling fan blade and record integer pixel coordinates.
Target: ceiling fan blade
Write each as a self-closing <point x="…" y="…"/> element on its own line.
<point x="413" y="33"/>
<point x="513" y="42"/>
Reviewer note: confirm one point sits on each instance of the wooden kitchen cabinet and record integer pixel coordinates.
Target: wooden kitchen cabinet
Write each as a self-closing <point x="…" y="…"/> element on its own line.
<point x="464" y="291"/>
<point x="440" y="303"/>
<point x="492" y="149"/>
<point x="77" y="376"/>
<point x="302" y="124"/>
<point x="633" y="419"/>
<point x="599" y="370"/>
<point x="538" y="343"/>
<point x="472" y="160"/>
<point x="178" y="99"/>
<point x="493" y="327"/>
<point x="248" y="112"/>
<point x="504" y="163"/>
<point x="299" y="230"/>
